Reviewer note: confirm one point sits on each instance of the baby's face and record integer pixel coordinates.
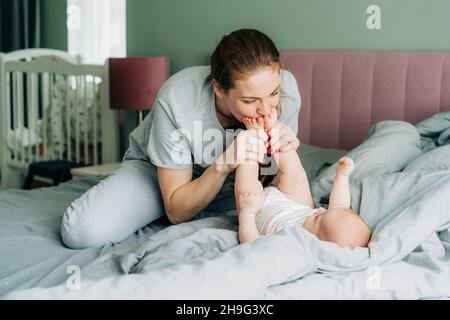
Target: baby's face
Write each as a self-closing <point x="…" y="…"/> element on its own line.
<point x="339" y="225"/>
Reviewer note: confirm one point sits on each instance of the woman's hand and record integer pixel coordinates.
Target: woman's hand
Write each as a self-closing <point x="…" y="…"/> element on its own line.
<point x="282" y="138"/>
<point x="249" y="145"/>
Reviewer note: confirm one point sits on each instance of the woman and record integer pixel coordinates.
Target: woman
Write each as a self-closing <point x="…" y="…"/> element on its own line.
<point x="177" y="164"/>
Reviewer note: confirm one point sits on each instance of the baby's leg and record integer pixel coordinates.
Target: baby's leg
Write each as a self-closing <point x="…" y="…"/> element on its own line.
<point x="293" y="181"/>
<point x="250" y="196"/>
<point x="248" y="188"/>
<point x="291" y="177"/>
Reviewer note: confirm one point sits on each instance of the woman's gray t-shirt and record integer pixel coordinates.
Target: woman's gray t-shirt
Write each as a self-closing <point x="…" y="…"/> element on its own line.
<point x="182" y="129"/>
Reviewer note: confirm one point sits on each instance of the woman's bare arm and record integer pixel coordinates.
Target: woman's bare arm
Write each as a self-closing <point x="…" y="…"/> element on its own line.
<point x="183" y="197"/>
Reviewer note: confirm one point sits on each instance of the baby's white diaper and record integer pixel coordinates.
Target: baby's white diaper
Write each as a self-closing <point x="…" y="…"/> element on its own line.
<point x="279" y="212"/>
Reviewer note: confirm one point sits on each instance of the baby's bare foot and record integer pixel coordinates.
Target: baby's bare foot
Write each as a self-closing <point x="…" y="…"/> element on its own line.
<point x="271" y="119"/>
<point x="345" y="166"/>
<point x="252" y="123"/>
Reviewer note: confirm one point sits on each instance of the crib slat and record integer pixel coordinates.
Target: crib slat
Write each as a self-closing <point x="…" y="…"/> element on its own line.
<point x="21" y="114"/>
<point x="52" y="105"/>
<point x="86" y="127"/>
<point x="28" y="113"/>
<point x="26" y="107"/>
<point x="18" y="118"/>
<point x="70" y="101"/>
<point x="45" y="101"/>
<point x="77" y="119"/>
<point x="94" y="112"/>
<point x="8" y="106"/>
<point x="58" y="105"/>
<point x="14" y="114"/>
<point x="56" y="123"/>
<point x="35" y="113"/>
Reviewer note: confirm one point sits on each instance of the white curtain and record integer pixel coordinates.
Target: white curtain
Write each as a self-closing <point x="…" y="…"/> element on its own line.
<point x="96" y="29"/>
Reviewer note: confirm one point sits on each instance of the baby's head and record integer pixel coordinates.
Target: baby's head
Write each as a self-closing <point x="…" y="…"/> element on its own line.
<point x="339" y="225"/>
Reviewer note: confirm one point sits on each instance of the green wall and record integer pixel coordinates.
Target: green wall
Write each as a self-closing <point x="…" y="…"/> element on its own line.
<point x="188" y="30"/>
<point x="54" y="30"/>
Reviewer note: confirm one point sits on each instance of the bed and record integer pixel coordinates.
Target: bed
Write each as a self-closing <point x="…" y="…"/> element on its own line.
<point x="388" y="110"/>
<point x="53" y="107"/>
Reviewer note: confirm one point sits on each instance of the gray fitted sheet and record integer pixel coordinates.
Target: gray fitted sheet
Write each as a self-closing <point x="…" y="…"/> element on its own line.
<point x="31" y="251"/>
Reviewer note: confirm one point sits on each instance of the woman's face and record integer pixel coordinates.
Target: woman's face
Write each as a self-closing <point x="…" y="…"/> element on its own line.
<point x="254" y="95"/>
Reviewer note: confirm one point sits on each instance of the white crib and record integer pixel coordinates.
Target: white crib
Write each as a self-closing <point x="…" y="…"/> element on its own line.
<point x="52" y="107"/>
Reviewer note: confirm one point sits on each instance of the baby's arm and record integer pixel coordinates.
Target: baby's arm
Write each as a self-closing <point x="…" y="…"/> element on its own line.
<point x="340" y="193"/>
<point x="293" y="181"/>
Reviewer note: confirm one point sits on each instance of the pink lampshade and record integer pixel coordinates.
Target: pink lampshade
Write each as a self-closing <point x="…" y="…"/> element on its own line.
<point x="134" y="82"/>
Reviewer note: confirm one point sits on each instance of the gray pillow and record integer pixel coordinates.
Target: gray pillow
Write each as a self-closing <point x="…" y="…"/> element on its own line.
<point x="389" y="147"/>
<point x="435" y="130"/>
<point x="315" y="159"/>
<point x="436" y="160"/>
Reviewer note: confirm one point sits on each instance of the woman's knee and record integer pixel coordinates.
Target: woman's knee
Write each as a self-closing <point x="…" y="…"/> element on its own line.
<point x="113" y="209"/>
<point x="76" y="233"/>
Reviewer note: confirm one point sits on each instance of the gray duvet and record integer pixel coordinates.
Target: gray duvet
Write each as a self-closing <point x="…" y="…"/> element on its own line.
<point x="404" y="198"/>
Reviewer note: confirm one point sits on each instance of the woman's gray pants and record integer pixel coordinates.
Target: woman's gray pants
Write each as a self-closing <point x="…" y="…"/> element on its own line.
<point x="115" y="208"/>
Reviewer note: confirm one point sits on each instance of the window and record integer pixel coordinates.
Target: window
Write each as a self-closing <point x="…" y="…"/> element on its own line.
<point x="96" y="29"/>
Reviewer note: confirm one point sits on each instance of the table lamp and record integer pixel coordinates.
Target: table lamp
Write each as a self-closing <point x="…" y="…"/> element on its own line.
<point x="134" y="82"/>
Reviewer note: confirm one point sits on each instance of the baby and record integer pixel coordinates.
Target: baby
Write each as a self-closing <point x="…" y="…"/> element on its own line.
<point x="263" y="211"/>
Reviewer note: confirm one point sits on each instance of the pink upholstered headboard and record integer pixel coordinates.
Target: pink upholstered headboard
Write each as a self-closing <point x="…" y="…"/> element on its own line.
<point x="344" y="92"/>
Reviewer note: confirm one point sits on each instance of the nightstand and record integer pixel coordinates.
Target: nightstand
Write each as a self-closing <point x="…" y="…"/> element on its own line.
<point x="93" y="171"/>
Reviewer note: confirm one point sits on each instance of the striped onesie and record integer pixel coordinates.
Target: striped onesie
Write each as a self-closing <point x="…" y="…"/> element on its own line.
<point x="279" y="212"/>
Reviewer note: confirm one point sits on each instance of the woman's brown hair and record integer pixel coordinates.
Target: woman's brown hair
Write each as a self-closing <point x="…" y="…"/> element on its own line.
<point x="240" y="52"/>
